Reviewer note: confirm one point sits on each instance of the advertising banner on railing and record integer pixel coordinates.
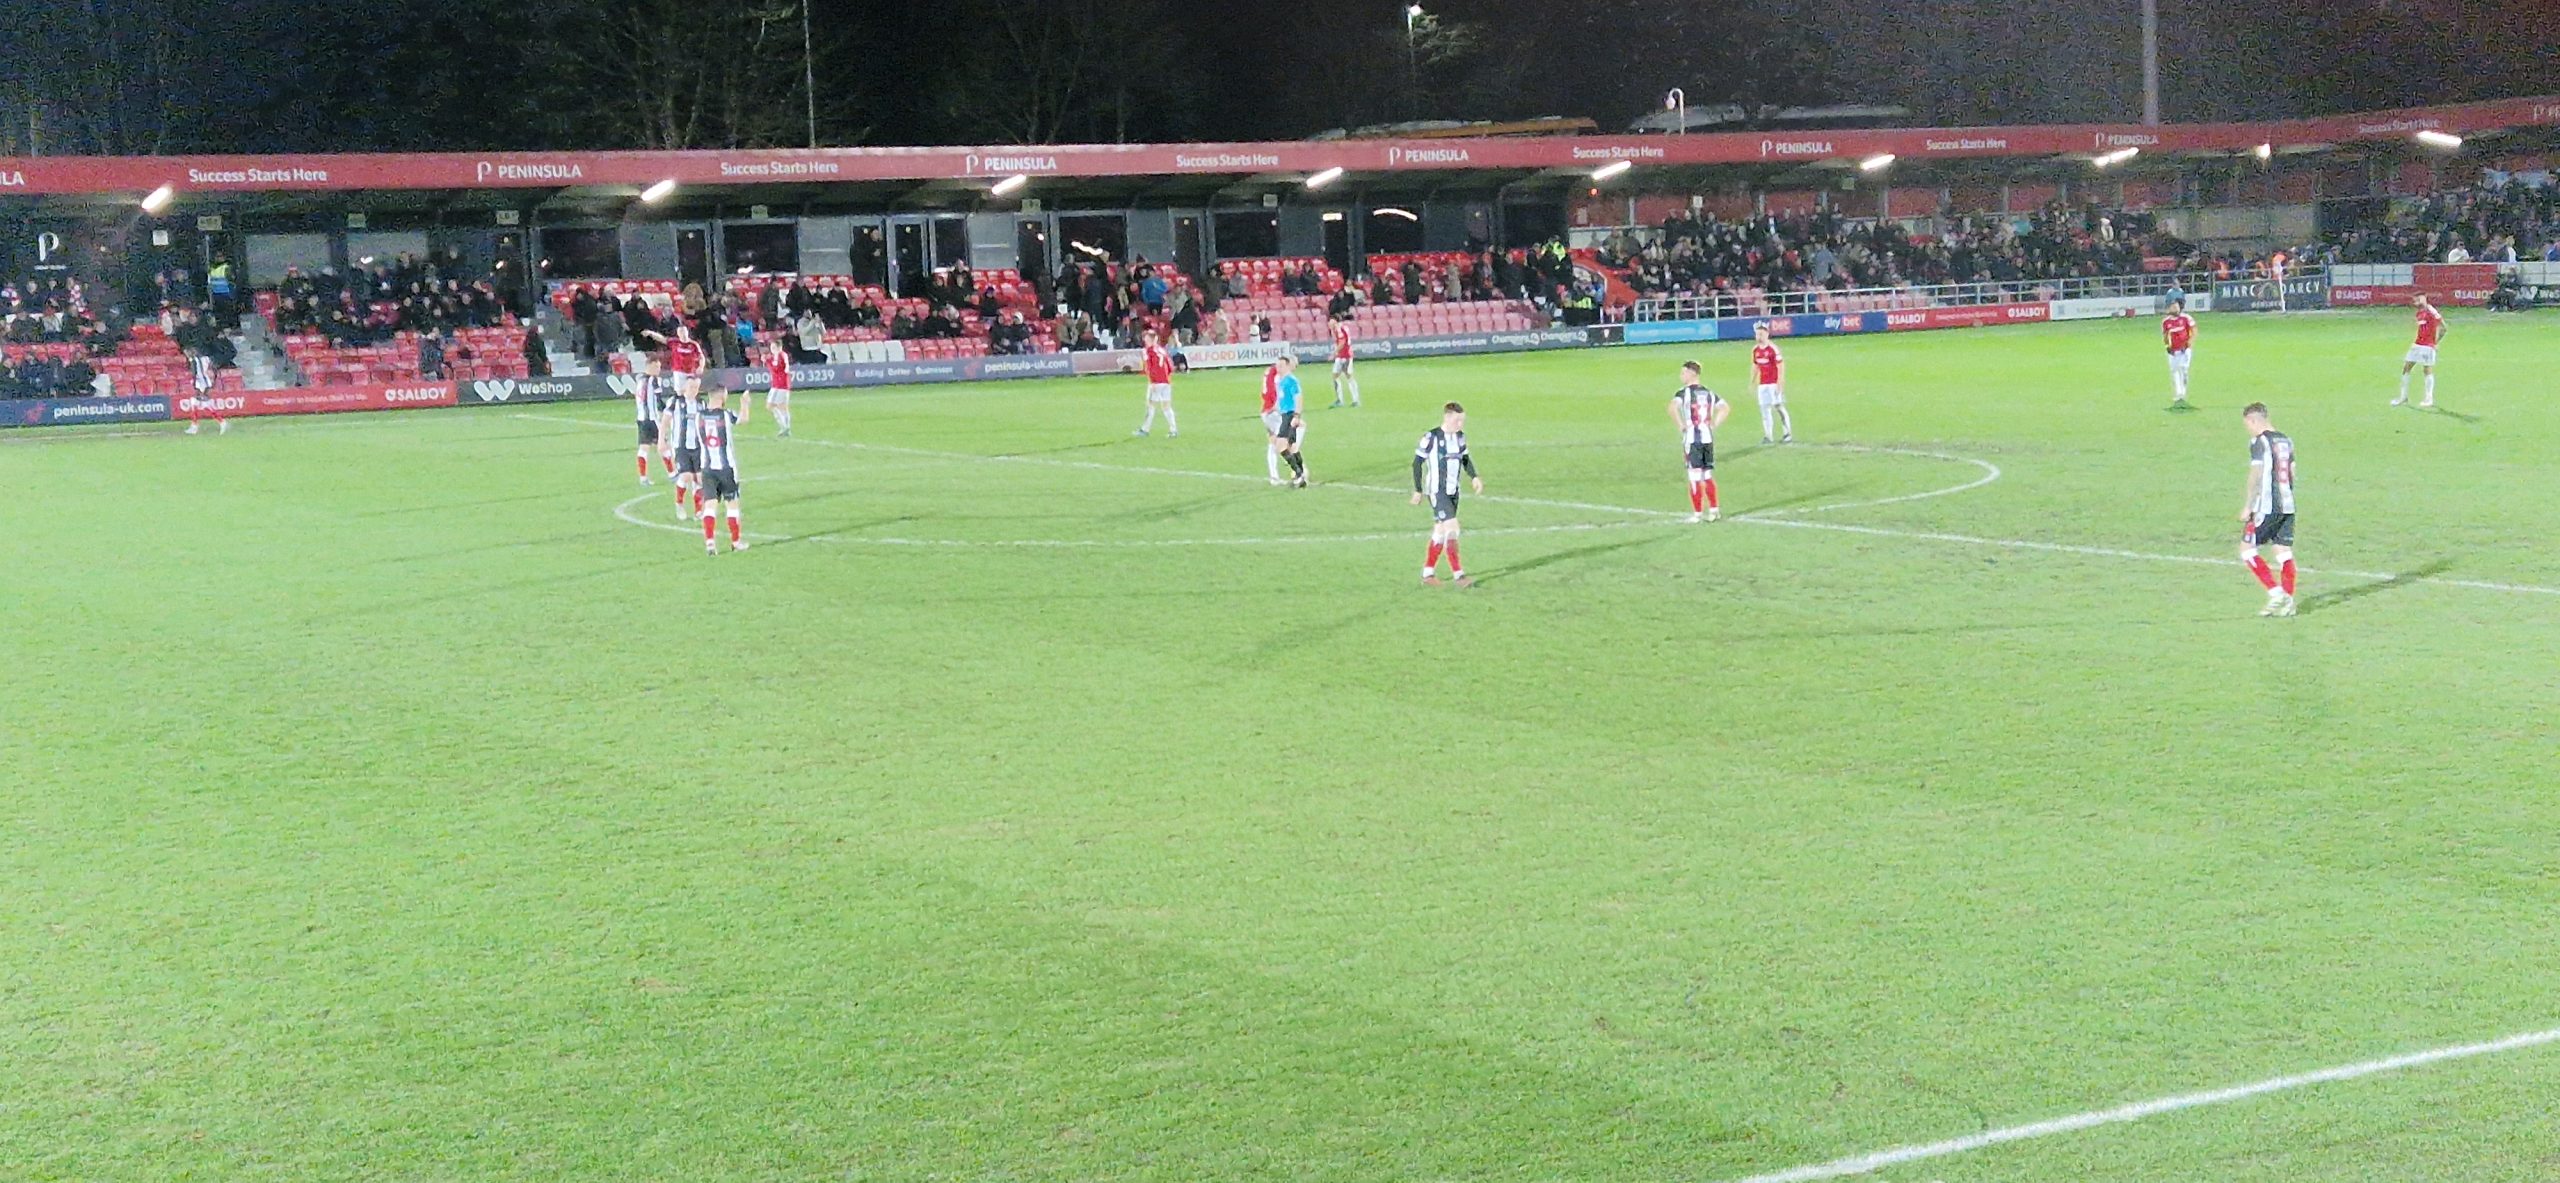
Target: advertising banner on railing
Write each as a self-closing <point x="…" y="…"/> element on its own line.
<point x="2263" y="295"/>
<point x="2102" y="307"/>
<point x="65" y="412"/>
<point x="1969" y="316"/>
<point x="494" y="391"/>
<point x="1191" y="357"/>
<point x="315" y="400"/>
<point x="1447" y="344"/>
<point x="891" y="373"/>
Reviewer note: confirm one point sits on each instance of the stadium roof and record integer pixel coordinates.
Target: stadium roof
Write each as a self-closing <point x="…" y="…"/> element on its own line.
<point x="1201" y="168"/>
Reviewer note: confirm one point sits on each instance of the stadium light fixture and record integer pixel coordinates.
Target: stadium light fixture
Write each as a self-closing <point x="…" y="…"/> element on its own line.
<point x="658" y="192"/>
<point x="2440" y="139"/>
<point x="1606" y="171"/>
<point x="1327" y="177"/>
<point x="158" y="199"/>
<point x="2264" y="152"/>
<point x="1009" y="184"/>
<point x="1873" y="163"/>
<point x="2119" y="156"/>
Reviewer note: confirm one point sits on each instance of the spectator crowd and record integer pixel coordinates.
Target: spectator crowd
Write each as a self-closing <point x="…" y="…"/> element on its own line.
<point x="1707" y="256"/>
<point x="2508" y="219"/>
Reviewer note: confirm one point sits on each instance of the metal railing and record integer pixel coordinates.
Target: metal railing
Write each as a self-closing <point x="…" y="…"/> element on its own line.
<point x="1944" y="295"/>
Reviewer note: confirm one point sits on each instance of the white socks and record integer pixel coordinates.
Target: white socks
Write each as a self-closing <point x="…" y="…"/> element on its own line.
<point x="1271" y="461"/>
<point x="1768" y="423"/>
<point x="2431" y="388"/>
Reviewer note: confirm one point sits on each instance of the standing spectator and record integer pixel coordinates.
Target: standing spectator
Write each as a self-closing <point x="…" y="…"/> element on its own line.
<point x="431" y="354"/>
<point x="769" y="306"/>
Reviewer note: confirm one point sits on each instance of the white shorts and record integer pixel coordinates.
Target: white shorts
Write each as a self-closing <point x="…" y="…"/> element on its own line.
<point x="1159" y="392"/>
<point x="688" y="384"/>
<point x="1271" y="423"/>
<point x="2179" y="360"/>
<point x="1342" y="365"/>
<point x="1773" y="395"/>
<point x="2422" y="355"/>
<point x="779" y="396"/>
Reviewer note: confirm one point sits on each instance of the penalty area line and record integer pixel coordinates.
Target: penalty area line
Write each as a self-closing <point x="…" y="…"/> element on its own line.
<point x="1869" y="1163"/>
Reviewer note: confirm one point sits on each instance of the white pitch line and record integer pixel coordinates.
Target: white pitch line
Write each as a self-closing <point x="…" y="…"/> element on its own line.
<point x="1867" y="1163"/>
<point x="1773" y="518"/>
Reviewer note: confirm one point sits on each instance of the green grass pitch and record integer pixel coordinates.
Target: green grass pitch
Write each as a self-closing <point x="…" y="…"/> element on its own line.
<point x="377" y="804"/>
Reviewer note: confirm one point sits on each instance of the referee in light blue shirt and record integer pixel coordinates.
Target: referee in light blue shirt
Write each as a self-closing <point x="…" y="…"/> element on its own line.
<point x="1293" y="426"/>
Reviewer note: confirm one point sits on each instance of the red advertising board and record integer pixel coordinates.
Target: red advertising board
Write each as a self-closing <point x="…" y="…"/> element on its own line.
<point x="2467" y="284"/>
<point x="527" y="170"/>
<point x="1969" y="316"/>
<point x="2364" y="294"/>
<point x="315" y="400"/>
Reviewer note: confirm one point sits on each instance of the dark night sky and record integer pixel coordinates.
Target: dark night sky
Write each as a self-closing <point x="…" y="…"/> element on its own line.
<point x="323" y="75"/>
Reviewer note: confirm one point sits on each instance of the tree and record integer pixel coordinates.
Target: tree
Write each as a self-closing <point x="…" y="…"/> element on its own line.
<point x="1060" y="70"/>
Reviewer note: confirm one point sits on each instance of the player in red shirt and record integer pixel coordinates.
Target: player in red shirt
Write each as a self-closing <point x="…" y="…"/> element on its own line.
<point x="1768" y="367"/>
<point x="1159" y="363"/>
<point x="2178" y="332"/>
<point x="2430" y="331"/>
<point x="777" y="398"/>
<point x="1343" y="376"/>
<point x="684" y="360"/>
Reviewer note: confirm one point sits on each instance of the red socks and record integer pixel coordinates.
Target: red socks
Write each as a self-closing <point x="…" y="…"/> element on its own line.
<point x="1455" y="567"/>
<point x="664" y="459"/>
<point x="733" y="529"/>
<point x="1432" y="563"/>
<point x="1697" y="497"/>
<point x="1711" y="492"/>
<point x="708" y="524"/>
<point x="2288" y="577"/>
<point x="2266" y="578"/>
<point x="644" y="466"/>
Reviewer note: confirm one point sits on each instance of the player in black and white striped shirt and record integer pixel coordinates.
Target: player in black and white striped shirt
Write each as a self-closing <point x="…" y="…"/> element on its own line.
<point x="2266" y="510"/>
<point x="1698" y="412"/>
<point x="200" y="370"/>
<point x="716" y="430"/>
<point x="680" y="427"/>
<point x="1437" y="463"/>
<point x="648" y="406"/>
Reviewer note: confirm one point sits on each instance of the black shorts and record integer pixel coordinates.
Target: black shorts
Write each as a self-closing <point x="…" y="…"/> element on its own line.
<point x="2275" y="529"/>
<point x="720" y="486"/>
<point x="1290" y="425"/>
<point x="1444" y="507"/>
<point x="688" y="460"/>
<point x="1703" y="456"/>
<point x="648" y="432"/>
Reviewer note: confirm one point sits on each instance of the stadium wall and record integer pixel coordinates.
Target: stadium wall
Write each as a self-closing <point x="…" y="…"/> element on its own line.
<point x="2369" y="286"/>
